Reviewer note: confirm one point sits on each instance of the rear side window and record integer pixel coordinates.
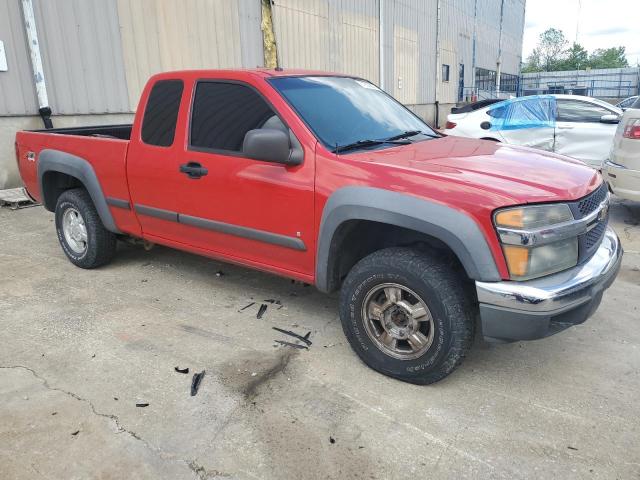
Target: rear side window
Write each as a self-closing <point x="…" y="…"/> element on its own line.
<point x="636" y="104"/>
<point x="223" y="113"/>
<point x="497" y="112"/>
<point x="579" y="111"/>
<point x="161" y="113"/>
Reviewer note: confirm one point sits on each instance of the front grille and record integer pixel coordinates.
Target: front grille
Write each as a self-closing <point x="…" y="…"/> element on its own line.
<point x="593" y="236"/>
<point x="590" y="241"/>
<point x="589" y="203"/>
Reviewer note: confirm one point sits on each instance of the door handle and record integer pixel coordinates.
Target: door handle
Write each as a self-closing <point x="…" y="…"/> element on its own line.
<point x="193" y="170"/>
<point x="565" y="127"/>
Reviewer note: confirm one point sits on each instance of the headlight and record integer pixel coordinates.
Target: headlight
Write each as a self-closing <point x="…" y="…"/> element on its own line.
<point x="537" y="240"/>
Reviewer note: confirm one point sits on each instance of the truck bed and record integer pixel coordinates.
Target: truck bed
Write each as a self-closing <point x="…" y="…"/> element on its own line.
<point x="121" y="131"/>
<point x="103" y="147"/>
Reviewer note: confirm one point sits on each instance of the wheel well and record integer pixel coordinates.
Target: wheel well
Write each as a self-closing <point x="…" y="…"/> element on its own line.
<point x="355" y="239"/>
<point x="53" y="184"/>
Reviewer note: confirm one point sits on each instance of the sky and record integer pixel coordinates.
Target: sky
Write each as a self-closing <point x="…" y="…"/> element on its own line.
<point x="600" y="24"/>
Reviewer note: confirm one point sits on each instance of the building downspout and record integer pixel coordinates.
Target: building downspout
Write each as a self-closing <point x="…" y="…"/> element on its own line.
<point x="269" y="44"/>
<point x="473" y="51"/>
<point x="36" y="63"/>
<point x="381" y="42"/>
<point x="499" y="60"/>
<point x="438" y="68"/>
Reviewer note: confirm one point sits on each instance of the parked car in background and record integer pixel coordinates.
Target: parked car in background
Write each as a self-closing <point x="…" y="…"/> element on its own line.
<point x="472" y="107"/>
<point x="627" y="102"/>
<point x="572" y="125"/>
<point x="622" y="170"/>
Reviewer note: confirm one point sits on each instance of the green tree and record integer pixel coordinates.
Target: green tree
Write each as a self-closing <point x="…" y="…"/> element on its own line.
<point x="577" y="58"/>
<point x="614" y="57"/>
<point x="552" y="53"/>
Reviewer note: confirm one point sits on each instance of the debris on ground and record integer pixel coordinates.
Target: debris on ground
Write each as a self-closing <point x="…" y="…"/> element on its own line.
<point x="304" y="338"/>
<point x="332" y="440"/>
<point x="294" y="345"/>
<point x="572" y="448"/>
<point x="247" y="306"/>
<point x="263" y="308"/>
<point x="195" y="382"/>
<point x="181" y="370"/>
<point x="75" y="433"/>
<point x="16" y="198"/>
<point x="142" y="405"/>
<point x="219" y="273"/>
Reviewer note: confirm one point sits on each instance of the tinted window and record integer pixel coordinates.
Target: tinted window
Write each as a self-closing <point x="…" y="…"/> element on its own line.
<point x="578" y="111"/>
<point x="223" y="113"/>
<point x="341" y="110"/>
<point x="497" y="112"/>
<point x="161" y="113"/>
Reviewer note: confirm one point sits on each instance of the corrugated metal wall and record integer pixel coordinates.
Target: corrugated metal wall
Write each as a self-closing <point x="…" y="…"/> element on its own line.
<point x="333" y="35"/>
<point x="82" y="56"/>
<point x="17" y="93"/>
<point x="161" y="35"/>
<point x="98" y="54"/>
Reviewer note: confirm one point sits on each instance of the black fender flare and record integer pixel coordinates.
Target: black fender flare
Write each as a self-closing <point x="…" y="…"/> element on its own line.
<point x="453" y="227"/>
<point x="50" y="160"/>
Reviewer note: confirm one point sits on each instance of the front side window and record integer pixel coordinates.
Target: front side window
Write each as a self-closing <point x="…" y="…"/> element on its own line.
<point x="342" y="111"/>
<point x="224" y="112"/>
<point x="579" y="111"/>
<point x="161" y="113"/>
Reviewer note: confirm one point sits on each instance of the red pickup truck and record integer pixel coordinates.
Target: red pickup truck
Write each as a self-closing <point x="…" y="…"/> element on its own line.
<point x="326" y="179"/>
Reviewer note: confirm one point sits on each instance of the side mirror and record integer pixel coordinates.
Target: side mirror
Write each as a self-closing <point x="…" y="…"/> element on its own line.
<point x="268" y="144"/>
<point x="610" y="118"/>
<point x="485" y="125"/>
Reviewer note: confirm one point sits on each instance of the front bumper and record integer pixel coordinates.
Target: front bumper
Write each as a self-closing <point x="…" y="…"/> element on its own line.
<point x="538" y="308"/>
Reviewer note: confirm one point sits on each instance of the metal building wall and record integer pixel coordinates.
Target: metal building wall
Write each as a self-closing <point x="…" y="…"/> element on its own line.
<point x="17" y="93"/>
<point x="82" y="56"/>
<point x="331" y="35"/>
<point x="162" y="35"/>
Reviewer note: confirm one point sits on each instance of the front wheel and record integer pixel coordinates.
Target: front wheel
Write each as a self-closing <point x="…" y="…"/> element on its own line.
<point x="407" y="314"/>
<point x="81" y="233"/>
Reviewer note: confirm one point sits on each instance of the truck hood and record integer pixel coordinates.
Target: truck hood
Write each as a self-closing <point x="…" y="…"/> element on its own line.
<point x="524" y="175"/>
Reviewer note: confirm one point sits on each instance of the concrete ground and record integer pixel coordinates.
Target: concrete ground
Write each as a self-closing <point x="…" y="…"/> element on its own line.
<point x="79" y="349"/>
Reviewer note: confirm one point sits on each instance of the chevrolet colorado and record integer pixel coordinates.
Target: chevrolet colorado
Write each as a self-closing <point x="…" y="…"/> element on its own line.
<point x="326" y="179"/>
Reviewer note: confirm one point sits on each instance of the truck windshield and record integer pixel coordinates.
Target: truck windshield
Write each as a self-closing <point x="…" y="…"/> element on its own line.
<point x="346" y="112"/>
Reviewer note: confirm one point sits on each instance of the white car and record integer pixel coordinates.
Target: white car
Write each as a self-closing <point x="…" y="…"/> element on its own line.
<point x="627" y="102"/>
<point x="580" y="127"/>
<point x="622" y="170"/>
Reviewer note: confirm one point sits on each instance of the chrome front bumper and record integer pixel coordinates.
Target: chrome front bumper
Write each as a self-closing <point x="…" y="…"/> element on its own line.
<point x="541" y="307"/>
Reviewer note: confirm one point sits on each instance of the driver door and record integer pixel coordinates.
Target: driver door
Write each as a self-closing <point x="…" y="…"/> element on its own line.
<point x="255" y="211"/>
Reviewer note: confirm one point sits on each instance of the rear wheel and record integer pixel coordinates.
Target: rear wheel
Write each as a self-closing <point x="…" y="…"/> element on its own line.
<point x="407" y="314"/>
<point x="81" y="234"/>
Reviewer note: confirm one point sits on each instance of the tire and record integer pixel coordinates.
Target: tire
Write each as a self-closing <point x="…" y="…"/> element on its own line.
<point x="447" y="328"/>
<point x="86" y="230"/>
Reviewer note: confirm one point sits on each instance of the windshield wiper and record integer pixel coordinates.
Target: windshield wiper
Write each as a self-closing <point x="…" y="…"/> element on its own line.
<point x="367" y="143"/>
<point x="410" y="133"/>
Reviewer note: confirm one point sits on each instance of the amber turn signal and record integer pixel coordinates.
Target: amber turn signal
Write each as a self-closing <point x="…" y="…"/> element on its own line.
<point x="517" y="259"/>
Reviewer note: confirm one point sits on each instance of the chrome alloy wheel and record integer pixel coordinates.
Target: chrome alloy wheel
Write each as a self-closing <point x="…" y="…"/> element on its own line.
<point x="74" y="230"/>
<point x="398" y="321"/>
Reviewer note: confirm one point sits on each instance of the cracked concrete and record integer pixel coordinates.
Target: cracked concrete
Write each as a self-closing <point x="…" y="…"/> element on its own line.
<point x="81" y="348"/>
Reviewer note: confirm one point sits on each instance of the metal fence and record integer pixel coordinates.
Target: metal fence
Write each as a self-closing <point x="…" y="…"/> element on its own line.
<point x="603" y="83"/>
